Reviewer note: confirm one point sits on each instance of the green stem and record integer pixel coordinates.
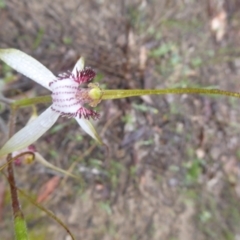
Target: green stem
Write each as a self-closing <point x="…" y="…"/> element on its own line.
<point x="20" y="229"/>
<point x="116" y="94"/>
<point x="32" y="101"/>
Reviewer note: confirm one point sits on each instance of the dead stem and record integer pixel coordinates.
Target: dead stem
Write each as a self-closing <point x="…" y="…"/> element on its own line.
<point x="13" y="190"/>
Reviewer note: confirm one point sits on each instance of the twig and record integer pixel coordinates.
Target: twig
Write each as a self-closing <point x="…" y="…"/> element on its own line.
<point x="19" y="222"/>
<point x="6" y="100"/>
<point x="15" y="203"/>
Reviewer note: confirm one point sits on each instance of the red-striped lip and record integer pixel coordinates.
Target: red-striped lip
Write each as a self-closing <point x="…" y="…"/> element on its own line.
<point x="68" y="99"/>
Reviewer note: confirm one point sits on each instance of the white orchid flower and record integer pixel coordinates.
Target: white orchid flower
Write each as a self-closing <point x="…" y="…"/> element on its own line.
<point x="68" y="98"/>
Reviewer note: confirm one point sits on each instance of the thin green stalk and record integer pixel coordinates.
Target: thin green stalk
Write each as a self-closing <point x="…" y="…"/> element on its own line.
<point x="32" y="101"/>
<point x="20" y="228"/>
<point x="49" y="213"/>
<point x="116" y="94"/>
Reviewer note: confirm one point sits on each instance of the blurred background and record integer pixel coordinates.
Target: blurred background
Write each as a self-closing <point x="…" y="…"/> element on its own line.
<point x="172" y="170"/>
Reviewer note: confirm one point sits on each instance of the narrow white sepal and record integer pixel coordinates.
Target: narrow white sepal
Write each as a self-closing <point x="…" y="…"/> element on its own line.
<point x="27" y="65"/>
<point x="31" y="132"/>
<point x="79" y="66"/>
<point x="89" y="129"/>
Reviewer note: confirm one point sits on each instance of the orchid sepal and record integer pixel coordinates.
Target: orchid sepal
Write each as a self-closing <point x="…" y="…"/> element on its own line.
<point x="30" y="133"/>
<point x="28" y="66"/>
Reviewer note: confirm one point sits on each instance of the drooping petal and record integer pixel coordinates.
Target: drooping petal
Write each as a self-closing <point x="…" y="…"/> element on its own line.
<point x="31" y="132"/>
<point x="42" y="160"/>
<point x="79" y="66"/>
<point x="28" y="66"/>
<point x="89" y="129"/>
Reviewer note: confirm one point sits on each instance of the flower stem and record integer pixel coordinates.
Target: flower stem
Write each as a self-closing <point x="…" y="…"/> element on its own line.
<point x="20" y="228"/>
<point x="116" y="94"/>
<point x="19" y="222"/>
<point x="32" y="101"/>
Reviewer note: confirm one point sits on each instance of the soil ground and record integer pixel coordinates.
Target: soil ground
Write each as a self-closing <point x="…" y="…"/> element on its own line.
<point x="172" y="171"/>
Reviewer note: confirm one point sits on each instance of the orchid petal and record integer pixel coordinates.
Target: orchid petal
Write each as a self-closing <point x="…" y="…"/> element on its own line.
<point x="89" y="129"/>
<point x="28" y="66"/>
<point x="42" y="160"/>
<point x="31" y="132"/>
<point x="79" y="66"/>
